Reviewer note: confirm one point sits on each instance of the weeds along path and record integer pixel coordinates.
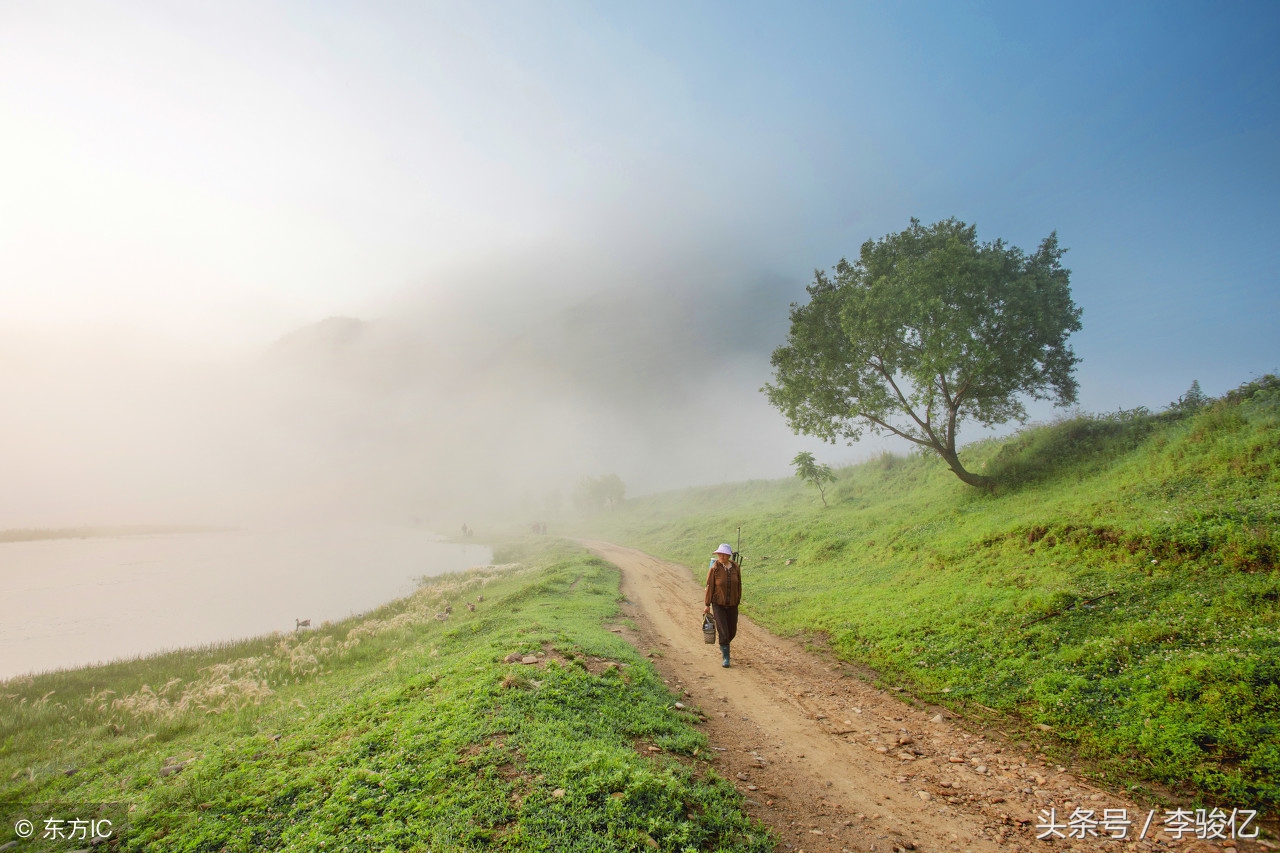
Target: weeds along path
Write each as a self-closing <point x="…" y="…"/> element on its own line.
<point x="830" y="761"/>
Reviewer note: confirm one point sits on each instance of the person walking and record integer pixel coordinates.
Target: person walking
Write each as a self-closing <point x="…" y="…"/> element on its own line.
<point x="722" y="595"/>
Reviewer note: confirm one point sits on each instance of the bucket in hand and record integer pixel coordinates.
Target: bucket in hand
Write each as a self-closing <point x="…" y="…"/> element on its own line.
<point x="708" y="629"/>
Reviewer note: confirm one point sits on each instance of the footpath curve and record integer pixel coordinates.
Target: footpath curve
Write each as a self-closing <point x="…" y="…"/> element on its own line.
<point x="833" y="763"/>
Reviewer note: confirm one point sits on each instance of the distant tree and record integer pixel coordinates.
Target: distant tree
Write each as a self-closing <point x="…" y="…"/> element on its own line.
<point x="597" y="493"/>
<point x="808" y="469"/>
<point x="928" y="328"/>
<point x="611" y="490"/>
<point x="1192" y="400"/>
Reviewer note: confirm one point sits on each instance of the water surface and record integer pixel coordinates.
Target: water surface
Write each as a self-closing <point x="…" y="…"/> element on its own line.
<point x="70" y="602"/>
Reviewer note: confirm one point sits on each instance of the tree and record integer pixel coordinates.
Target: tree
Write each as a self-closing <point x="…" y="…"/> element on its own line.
<point x="811" y="472"/>
<point x="928" y="328"/>
<point x="611" y="491"/>
<point x="597" y="493"/>
<point x="1193" y="400"/>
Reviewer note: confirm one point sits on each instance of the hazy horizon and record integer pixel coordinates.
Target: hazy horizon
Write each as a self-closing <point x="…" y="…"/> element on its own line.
<point x="565" y="236"/>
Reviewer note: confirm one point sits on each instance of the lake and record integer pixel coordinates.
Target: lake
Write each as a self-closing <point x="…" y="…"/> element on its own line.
<point x="70" y="602"/>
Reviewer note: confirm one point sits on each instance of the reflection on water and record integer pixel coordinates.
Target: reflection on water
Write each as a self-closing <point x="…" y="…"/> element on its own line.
<point x="68" y="602"/>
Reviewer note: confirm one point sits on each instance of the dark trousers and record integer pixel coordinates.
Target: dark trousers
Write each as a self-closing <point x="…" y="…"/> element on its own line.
<point x="726" y="619"/>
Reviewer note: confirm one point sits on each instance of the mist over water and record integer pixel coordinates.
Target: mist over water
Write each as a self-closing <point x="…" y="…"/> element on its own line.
<point x="70" y="602"/>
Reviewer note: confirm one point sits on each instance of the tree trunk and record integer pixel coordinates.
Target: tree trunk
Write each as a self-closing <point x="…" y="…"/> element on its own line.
<point x="977" y="480"/>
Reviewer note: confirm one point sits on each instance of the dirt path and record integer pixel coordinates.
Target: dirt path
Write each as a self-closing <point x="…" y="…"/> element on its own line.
<point x="833" y="763"/>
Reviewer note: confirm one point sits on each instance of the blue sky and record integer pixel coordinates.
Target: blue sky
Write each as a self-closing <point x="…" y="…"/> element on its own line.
<point x="1145" y="134"/>
<point x="226" y="172"/>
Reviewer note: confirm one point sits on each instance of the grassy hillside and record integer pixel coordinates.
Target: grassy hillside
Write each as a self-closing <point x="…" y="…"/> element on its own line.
<point x="1120" y="587"/>
<point x="392" y="731"/>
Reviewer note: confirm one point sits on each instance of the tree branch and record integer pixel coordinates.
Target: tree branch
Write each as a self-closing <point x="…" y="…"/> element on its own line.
<point x="953" y="405"/>
<point x="879" y="365"/>
<point x="946" y="393"/>
<point x="898" y="432"/>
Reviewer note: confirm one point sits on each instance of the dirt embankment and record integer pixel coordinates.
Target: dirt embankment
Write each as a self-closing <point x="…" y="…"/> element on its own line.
<point x="834" y="763"/>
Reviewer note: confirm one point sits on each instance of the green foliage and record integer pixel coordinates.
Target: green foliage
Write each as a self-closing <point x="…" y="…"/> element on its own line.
<point x="994" y="597"/>
<point x="1192" y="400"/>
<point x="928" y="328"/>
<point x="421" y="737"/>
<point x="808" y="469"/>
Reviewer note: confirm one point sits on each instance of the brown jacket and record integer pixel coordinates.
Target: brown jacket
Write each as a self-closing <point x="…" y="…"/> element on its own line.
<point x="724" y="585"/>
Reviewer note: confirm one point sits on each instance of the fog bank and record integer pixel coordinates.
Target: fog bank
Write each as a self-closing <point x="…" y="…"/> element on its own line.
<point x="495" y="388"/>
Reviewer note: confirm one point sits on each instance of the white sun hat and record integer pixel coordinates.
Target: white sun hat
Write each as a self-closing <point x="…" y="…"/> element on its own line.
<point x="724" y="549"/>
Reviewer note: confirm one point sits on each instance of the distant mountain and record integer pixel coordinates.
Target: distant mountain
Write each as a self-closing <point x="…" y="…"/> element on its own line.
<point x="323" y="342"/>
<point x="659" y="385"/>
<point x="627" y="348"/>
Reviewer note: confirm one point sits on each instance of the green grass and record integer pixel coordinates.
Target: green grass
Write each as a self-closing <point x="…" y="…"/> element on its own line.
<point x="1173" y="675"/>
<point x="396" y="731"/>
